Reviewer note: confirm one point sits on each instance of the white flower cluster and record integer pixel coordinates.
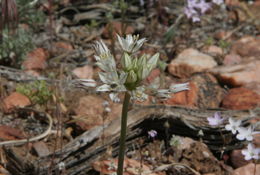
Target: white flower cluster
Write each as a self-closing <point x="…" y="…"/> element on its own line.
<point x="133" y="70"/>
<point x="242" y="134"/>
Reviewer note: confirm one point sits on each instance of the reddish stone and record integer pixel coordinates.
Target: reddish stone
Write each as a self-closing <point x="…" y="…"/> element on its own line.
<point x="241" y="98"/>
<point x="9" y="133"/>
<point x="190" y="61"/>
<point x="15" y="100"/>
<point x="36" y="59"/>
<point x="238" y="159"/>
<point x="247" y="47"/>
<point x="238" y="75"/>
<point x="232" y="59"/>
<point x="184" y="98"/>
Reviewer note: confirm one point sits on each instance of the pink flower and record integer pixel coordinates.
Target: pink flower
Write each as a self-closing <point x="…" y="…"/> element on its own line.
<point x="152" y="133"/>
<point x="216" y="119"/>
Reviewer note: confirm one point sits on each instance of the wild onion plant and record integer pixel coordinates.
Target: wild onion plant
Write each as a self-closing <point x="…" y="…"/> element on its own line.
<point x="127" y="78"/>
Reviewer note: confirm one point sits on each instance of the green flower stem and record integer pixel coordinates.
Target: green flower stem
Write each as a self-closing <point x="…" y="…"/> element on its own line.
<point x="123" y="134"/>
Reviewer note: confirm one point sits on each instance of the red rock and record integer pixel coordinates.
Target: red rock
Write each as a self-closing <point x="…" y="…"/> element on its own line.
<point x="184" y="98"/>
<point x="190" y="61"/>
<point x="116" y="28"/>
<point x="85" y="72"/>
<point x="36" y="59"/>
<point x="247" y="47"/>
<point x="232" y="59"/>
<point x="204" y="93"/>
<point x="15" y="100"/>
<point x="254" y="86"/>
<point x="238" y="159"/>
<point x="9" y="133"/>
<point x="90" y="110"/>
<point x="61" y="47"/>
<point x="248" y="170"/>
<point x="238" y="75"/>
<point x="240" y="98"/>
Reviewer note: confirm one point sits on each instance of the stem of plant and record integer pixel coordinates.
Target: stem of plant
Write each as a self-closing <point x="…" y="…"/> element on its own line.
<point x="121" y="156"/>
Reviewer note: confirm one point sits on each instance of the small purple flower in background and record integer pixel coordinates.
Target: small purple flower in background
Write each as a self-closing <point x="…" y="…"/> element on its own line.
<point x="251" y="152"/>
<point x="218" y="2"/>
<point x="216" y="119"/>
<point x="245" y="133"/>
<point x="203" y="6"/>
<point x="233" y="125"/>
<point x="152" y="133"/>
<point x="196" y="8"/>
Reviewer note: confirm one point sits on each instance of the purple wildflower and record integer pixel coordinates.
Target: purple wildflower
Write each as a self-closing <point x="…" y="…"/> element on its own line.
<point x="216" y="119"/>
<point x="203" y="6"/>
<point x="152" y="133"/>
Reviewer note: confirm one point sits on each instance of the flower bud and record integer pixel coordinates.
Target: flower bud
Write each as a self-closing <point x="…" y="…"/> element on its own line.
<point x="132" y="77"/>
<point x="126" y="61"/>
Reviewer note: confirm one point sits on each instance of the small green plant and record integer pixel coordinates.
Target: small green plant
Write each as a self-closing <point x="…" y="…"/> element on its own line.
<point x="209" y="41"/>
<point x="37" y="91"/>
<point x="14" y="47"/>
<point x="29" y="14"/>
<point x="224" y="44"/>
<point x="175" y="141"/>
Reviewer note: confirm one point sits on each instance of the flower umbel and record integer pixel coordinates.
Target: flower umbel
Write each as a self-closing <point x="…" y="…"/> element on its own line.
<point x="128" y="79"/>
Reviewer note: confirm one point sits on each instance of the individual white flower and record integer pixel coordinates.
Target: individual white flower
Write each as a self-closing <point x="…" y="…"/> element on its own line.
<point x="138" y="94"/>
<point x="112" y="81"/>
<point x="61" y="166"/>
<point x="251" y="152"/>
<point x="174" y="88"/>
<point x="130" y="44"/>
<point x="104" y="58"/>
<point x="245" y="133"/>
<point x="114" y="97"/>
<point x="107" y="109"/>
<point x="102" y="50"/>
<point x="233" y="125"/>
<point x="216" y="119"/>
